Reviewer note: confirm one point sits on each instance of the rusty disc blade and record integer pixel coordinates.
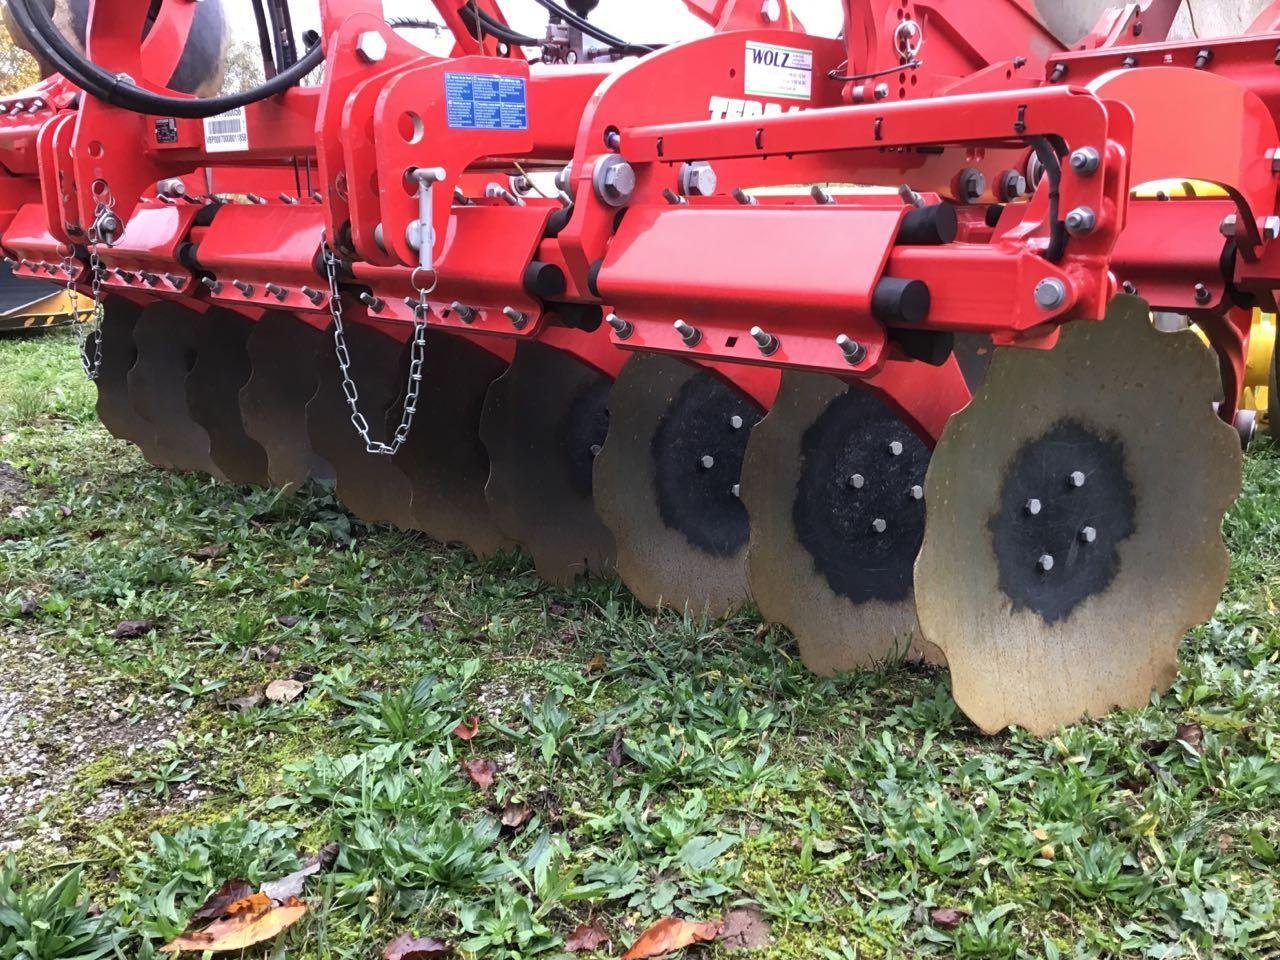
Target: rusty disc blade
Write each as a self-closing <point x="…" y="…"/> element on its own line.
<point x="213" y="397"/>
<point x="273" y="401"/>
<point x="833" y="481"/>
<point x="167" y="337"/>
<point x="1074" y="530"/>
<point x="119" y="317"/>
<point x="443" y="459"/>
<point x="368" y="484"/>
<point x="541" y="422"/>
<point x="667" y="484"/>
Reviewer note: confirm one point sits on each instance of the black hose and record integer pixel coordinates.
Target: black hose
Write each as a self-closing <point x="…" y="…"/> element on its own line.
<point x="264" y="40"/>
<point x="481" y="21"/>
<point x="591" y="30"/>
<point x="36" y="23"/>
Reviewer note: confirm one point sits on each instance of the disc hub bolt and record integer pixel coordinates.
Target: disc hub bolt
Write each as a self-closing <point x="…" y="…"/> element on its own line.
<point x="707" y="461"/>
<point x="879" y="525"/>
<point x="1076" y="479"/>
<point x="1045" y="563"/>
<point x="917" y="492"/>
<point x="1088" y="534"/>
<point x="736" y="490"/>
<point x="595" y="449"/>
<point x="895" y="448"/>
<point x="689" y="334"/>
<point x="736" y="422"/>
<point x="1032" y="507"/>
<point x="857" y="481"/>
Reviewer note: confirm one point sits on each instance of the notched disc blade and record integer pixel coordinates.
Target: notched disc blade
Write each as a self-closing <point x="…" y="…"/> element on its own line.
<point x="273" y="401"/>
<point x="369" y="485"/>
<point x="542" y="420"/>
<point x="667" y="483"/>
<point x="833" y="481"/>
<point x="213" y="397"/>
<point x="1074" y="530"/>
<point x="167" y="337"/>
<point x="444" y="461"/>
<point x="119" y="318"/>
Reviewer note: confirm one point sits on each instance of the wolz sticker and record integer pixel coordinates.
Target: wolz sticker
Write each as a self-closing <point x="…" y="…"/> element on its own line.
<point x="774" y="71"/>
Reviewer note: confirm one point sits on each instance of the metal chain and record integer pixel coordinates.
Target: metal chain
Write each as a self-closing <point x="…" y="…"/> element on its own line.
<point x="416" y="356"/>
<point x="92" y="364"/>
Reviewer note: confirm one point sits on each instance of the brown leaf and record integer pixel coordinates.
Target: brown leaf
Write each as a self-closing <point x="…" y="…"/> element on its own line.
<point x="256" y="921"/>
<point x="216" y="906"/>
<point x="669" y="935"/>
<point x="128" y="629"/>
<point x="1192" y="734"/>
<point x="481" y="772"/>
<point x="284" y="691"/>
<point x="516" y="815"/>
<point x="243" y="704"/>
<point x="407" y="947"/>
<point x="1224" y="842"/>
<point x="596" y="664"/>
<point x="28" y="607"/>
<point x="467" y="729"/>
<point x="587" y="938"/>
<point x="745" y="929"/>
<point x="615" y="751"/>
<point x="326" y="856"/>
<point x="287" y="621"/>
<point x="289" y="887"/>
<point x="211" y="552"/>
<point x="947" y="918"/>
<point x="428" y="623"/>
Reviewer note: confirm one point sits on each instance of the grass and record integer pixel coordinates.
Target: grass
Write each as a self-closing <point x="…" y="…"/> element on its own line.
<point x="669" y="765"/>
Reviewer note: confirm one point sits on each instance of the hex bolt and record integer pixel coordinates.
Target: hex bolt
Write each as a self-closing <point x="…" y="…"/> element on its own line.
<point x="736" y="422"/>
<point x="672" y="197"/>
<point x="173" y="279"/>
<point x="1085" y="161"/>
<point x="1203" y="57"/>
<point x="621" y="328"/>
<point x="517" y="318"/>
<point x="461" y="198"/>
<point x="126" y="276"/>
<point x="150" y="279"/>
<point x="821" y="196"/>
<point x="1081" y="221"/>
<point x="767" y="342"/>
<point x="1051" y="293"/>
<point x="853" y="351"/>
<point x="917" y="492"/>
<point x="1202" y="293"/>
<point x="744" y="198"/>
<point x="213" y="285"/>
<point x="276" y="290"/>
<point x="1010" y="186"/>
<point x="1077" y="478"/>
<point x="1088" y="534"/>
<point x="564" y="177"/>
<point x="857" y="481"/>
<point x="613" y="140"/>
<point x="1271" y="228"/>
<point x="706" y="461"/>
<point x="969" y="185"/>
<point x="910" y="197"/>
<point x="1045" y="563"/>
<point x="244" y="288"/>
<point x="698" y="179"/>
<point x="879" y="525"/>
<point x="1228" y="225"/>
<point x="1032" y="507"/>
<point x="173" y="188"/>
<point x="595" y="449"/>
<point x="736" y="490"/>
<point x="287" y="199"/>
<point x="464" y="313"/>
<point x="371" y="47"/>
<point x="254" y="198"/>
<point x="315" y="296"/>
<point x="1129" y="287"/>
<point x="375" y="304"/>
<point x="614" y="180"/>
<point x="895" y="448"/>
<point x="497" y="191"/>
<point x="690" y="335"/>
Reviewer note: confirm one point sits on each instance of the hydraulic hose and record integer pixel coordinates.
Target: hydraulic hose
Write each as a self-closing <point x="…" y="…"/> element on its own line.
<point x="591" y="30"/>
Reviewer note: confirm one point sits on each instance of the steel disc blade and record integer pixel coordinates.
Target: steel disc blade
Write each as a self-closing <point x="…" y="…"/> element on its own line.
<point x="541" y="422"/>
<point x="213" y="397"/>
<point x="666" y="484"/>
<point x="368" y="484"/>
<point x="444" y="461"/>
<point x="167" y="337"/>
<point x="833" y="481"/>
<point x="119" y="317"/>
<point x="273" y="401"/>
<point x="1074" y="529"/>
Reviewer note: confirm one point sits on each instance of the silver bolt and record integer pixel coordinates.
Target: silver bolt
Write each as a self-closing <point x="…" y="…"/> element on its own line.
<point x="1088" y="534"/>
<point x="375" y="304"/>
<point x="315" y="296"/>
<point x="917" y="492"/>
<point x="770" y="11"/>
<point x="1077" y="478"/>
<point x="880" y="91"/>
<point x="564" y="177"/>
<point x="853" y="351"/>
<point x="767" y="342"/>
<point x="879" y="525"/>
<point x="736" y="490"/>
<point x="621" y="327"/>
<point x="614" y="180"/>
<point x="213" y="285"/>
<point x="1081" y="221"/>
<point x="371" y="47"/>
<point x="464" y="313"/>
<point x="707" y="461"/>
<point x="857" y="481"/>
<point x="1085" y="161"/>
<point x="1271" y="228"/>
<point x="244" y="288"/>
<point x="1228" y="225"/>
<point x="276" y="290"/>
<point x="172" y="188"/>
<point x="1045" y="563"/>
<point x="497" y="191"/>
<point x="698" y="179"/>
<point x="672" y="197"/>
<point x="909" y="196"/>
<point x="595" y="449"/>
<point x="895" y="448"/>
<point x="821" y="196"/>
<point x="690" y="335"/>
<point x="1051" y="293"/>
<point x="287" y="199"/>
<point x="744" y="198"/>
<point x="970" y="185"/>
<point x="736" y="422"/>
<point x="518" y="319"/>
<point x="1032" y="507"/>
<point x="613" y="140"/>
<point x="1202" y="293"/>
<point x="255" y="198"/>
<point x="173" y="279"/>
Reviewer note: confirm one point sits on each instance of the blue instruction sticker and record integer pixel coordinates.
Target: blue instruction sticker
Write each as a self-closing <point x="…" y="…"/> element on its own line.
<point x="486" y="101"/>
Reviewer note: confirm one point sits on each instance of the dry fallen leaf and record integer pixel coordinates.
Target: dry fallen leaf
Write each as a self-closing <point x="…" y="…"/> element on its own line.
<point x="284" y="691"/>
<point x="467" y="729"/>
<point x="233" y="891"/>
<point x="251" y="920"/>
<point x="586" y="938"/>
<point x="287" y="621"/>
<point x="289" y="887"/>
<point x="615" y="751"/>
<point x="947" y="918"/>
<point x="1040" y="834"/>
<point x="28" y="606"/>
<point x="596" y="664"/>
<point x="241" y="704"/>
<point x="1047" y="852"/>
<point x="407" y="947"/>
<point x="745" y="929"/>
<point x="669" y="935"/>
<point x="1192" y="734"/>
<point x="516" y="814"/>
<point x="326" y="856"/>
<point x="129" y="629"/>
<point x="481" y="772"/>
<point x="211" y="552"/>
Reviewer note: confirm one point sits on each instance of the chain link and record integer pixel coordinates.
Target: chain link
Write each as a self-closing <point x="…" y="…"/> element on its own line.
<point x="92" y="364"/>
<point x="417" y="355"/>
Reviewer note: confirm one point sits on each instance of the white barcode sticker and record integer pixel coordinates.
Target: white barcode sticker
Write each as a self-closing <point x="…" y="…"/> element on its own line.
<point x="226" y="132"/>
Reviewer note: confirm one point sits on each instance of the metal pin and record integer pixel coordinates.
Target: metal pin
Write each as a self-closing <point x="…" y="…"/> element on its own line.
<point x="1045" y="563"/>
<point x="895" y="448"/>
<point x="150" y="279"/>
<point x="1032" y="507"/>
<point x="212" y="284"/>
<point x="375" y="304"/>
<point x="276" y="290"/>
<point x="821" y="196"/>
<point x="909" y="196"/>
<point x="744" y="198"/>
<point x="461" y="198"/>
<point x="1088" y="534"/>
<point x="853" y="351"/>
<point x="620" y="327"/>
<point x="672" y="197"/>
<point x="736" y="422"/>
<point x="126" y="276"/>
<point x="1077" y="478"/>
<point x="173" y="279"/>
<point x="767" y="342"/>
<point x="315" y="296"/>
<point x="465" y="314"/>
<point x="690" y="335"/>
<point x="254" y="198"/>
<point x="857" y="481"/>
<point x="917" y="492"/>
<point x="879" y="525"/>
<point x="613" y="140"/>
<point x="317" y="196"/>
<point x="285" y="198"/>
<point x="518" y="319"/>
<point x="498" y="191"/>
<point x="566" y="199"/>
<point x="244" y="288"/>
<point x="707" y="461"/>
<point x="1202" y="293"/>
